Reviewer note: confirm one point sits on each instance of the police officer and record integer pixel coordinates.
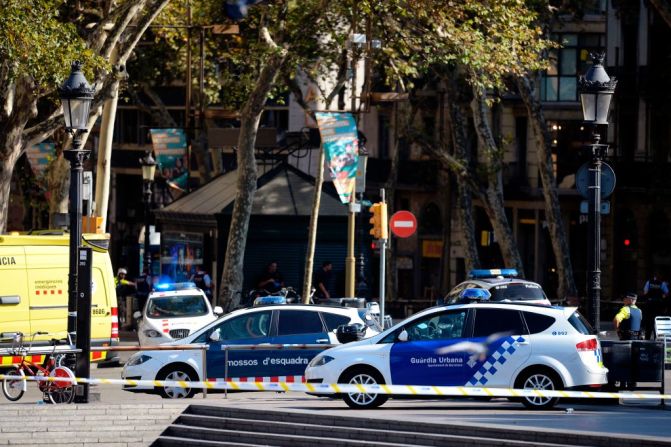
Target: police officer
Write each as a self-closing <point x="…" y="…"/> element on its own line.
<point x="628" y="320"/>
<point x="124" y="287"/>
<point x="143" y="285"/>
<point x="655" y="292"/>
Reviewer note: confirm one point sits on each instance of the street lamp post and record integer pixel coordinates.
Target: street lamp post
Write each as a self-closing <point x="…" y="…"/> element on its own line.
<point x="76" y="95"/>
<point x="596" y="90"/>
<point x="148" y="170"/>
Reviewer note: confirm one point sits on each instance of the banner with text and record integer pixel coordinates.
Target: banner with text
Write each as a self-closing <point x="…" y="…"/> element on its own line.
<point x="170" y="149"/>
<point x="341" y="146"/>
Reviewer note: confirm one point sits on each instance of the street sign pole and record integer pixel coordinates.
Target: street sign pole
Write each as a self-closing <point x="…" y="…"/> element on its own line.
<point x="383" y="261"/>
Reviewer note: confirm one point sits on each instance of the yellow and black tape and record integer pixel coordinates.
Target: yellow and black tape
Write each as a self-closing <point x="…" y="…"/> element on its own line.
<point x="340" y="388"/>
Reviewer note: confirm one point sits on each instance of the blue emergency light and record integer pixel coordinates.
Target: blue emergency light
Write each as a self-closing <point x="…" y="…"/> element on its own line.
<point x="492" y="273"/>
<point x="170" y="286"/>
<point x="475" y="295"/>
<point x="270" y="299"/>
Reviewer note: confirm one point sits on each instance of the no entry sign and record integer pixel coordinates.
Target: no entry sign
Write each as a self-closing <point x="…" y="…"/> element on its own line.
<point x="403" y="224"/>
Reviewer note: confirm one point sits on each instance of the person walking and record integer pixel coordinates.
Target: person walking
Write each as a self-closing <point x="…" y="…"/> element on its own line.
<point x="655" y="292"/>
<point x="628" y="320"/>
<point x="322" y="281"/>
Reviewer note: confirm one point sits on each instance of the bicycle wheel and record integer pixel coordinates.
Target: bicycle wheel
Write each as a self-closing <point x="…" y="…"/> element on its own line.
<point x="61" y="391"/>
<point x="13" y="389"/>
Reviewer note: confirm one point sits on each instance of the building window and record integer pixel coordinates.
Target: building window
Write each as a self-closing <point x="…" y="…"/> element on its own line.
<point x="560" y="81"/>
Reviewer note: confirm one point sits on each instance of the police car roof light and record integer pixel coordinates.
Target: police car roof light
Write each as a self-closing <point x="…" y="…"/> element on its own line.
<point x="270" y="299"/>
<point x="169" y="286"/>
<point x="475" y="295"/>
<point x="492" y="273"/>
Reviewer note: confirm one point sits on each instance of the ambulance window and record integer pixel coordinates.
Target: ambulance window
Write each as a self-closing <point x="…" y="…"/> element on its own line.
<point x="299" y="322"/>
<point x="492" y="321"/>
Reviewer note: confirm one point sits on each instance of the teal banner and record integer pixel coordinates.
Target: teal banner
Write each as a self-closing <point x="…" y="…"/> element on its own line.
<point x="39" y="156"/>
<point x="170" y="149"/>
<point x="341" y="146"/>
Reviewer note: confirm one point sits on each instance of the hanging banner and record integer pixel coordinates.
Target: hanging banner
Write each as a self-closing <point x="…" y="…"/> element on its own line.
<point x="39" y="156"/>
<point x="341" y="147"/>
<point x="170" y="149"/>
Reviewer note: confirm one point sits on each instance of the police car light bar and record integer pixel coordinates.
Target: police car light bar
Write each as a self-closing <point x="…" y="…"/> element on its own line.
<point x="492" y="273"/>
<point x="270" y="299"/>
<point x="169" y="286"/>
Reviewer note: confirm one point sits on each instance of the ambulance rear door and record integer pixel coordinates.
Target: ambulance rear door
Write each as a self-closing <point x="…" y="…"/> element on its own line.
<point x="14" y="298"/>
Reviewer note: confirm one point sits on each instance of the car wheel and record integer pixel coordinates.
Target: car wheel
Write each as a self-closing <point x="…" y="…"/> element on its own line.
<point x="539" y="379"/>
<point x="177" y="373"/>
<point x="363" y="376"/>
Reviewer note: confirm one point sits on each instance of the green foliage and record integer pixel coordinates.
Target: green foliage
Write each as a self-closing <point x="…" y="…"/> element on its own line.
<point x="34" y="42"/>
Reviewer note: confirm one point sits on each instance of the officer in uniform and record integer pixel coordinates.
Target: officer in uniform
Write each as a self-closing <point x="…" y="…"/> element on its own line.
<point x="628" y="320"/>
<point x="655" y="292"/>
<point x="203" y="281"/>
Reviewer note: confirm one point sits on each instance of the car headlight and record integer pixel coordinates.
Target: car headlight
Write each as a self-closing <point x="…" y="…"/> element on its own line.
<point x="152" y="333"/>
<point x="137" y="360"/>
<point x="320" y="360"/>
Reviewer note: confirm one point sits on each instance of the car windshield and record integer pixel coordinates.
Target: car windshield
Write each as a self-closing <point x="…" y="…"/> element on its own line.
<point x="176" y="306"/>
<point x="517" y="292"/>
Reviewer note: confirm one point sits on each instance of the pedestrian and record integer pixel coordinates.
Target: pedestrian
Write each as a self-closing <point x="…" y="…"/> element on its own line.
<point x="124" y="288"/>
<point x="143" y="285"/>
<point x="322" y="280"/>
<point x="203" y="281"/>
<point x="628" y="320"/>
<point x="655" y="292"/>
<point x="271" y="279"/>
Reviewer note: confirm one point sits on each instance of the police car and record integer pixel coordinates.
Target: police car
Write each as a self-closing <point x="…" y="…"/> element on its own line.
<point x="480" y="344"/>
<point x="502" y="284"/>
<point x="173" y="311"/>
<point x="285" y="324"/>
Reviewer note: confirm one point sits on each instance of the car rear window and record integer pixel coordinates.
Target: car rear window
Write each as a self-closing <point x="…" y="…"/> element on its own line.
<point x="334" y="320"/>
<point x="581" y="324"/>
<point x="517" y="292"/>
<point x="537" y="322"/>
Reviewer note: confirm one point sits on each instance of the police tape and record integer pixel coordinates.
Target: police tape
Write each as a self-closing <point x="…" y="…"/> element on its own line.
<point x="346" y="388"/>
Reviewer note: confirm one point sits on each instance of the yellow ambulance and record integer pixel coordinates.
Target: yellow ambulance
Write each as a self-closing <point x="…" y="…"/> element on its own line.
<point x="34" y="289"/>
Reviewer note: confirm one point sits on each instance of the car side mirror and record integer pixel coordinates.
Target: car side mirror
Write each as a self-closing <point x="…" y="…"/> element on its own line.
<point x="137" y="314"/>
<point x="218" y="310"/>
<point x="214" y="336"/>
<point x="402" y="336"/>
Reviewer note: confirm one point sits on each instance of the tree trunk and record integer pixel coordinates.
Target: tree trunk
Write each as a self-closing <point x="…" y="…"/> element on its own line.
<point x="462" y="149"/>
<point x="232" y="277"/>
<point x="494" y="205"/>
<point x="552" y="210"/>
<point x="312" y="231"/>
<point x="104" y="164"/>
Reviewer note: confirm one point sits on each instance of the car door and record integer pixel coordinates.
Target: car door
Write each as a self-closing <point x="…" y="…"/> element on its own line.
<point x="419" y="361"/>
<point x="504" y="341"/>
<point x="251" y="328"/>
<point x="296" y="327"/>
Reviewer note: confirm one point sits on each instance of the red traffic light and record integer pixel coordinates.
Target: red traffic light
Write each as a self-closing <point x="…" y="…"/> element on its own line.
<point x="627" y="242"/>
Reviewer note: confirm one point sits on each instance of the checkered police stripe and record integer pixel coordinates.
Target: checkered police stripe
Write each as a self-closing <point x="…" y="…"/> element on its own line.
<point x="414" y="390"/>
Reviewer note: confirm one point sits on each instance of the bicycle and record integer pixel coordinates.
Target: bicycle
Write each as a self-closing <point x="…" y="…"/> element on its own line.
<point x="57" y="391"/>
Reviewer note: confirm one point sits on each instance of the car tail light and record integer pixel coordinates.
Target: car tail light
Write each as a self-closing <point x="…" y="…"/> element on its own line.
<point x="587" y="345"/>
<point x="115" y="323"/>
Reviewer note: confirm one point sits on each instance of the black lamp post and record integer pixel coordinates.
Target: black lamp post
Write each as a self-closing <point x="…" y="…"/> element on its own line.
<point x="361" y="284"/>
<point x="148" y="170"/>
<point x="596" y="90"/>
<point x="76" y="96"/>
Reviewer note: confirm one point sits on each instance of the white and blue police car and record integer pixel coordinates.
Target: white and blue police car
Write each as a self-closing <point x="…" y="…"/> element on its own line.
<point x="173" y="311"/>
<point x="288" y="324"/>
<point x="502" y="284"/>
<point x="519" y="346"/>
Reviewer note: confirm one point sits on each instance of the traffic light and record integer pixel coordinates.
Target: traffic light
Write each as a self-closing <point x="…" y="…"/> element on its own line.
<point x="379" y="220"/>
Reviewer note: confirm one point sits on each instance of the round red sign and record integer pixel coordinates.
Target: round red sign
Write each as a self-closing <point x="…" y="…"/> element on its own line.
<point x="403" y="224"/>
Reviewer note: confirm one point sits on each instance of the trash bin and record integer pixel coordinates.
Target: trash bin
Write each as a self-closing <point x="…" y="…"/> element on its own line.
<point x="617" y="358"/>
<point x="648" y="364"/>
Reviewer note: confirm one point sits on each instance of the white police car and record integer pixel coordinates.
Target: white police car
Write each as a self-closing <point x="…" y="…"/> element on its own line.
<point x="539" y="347"/>
<point x="286" y="324"/>
<point x="502" y="284"/>
<point x="172" y="312"/>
